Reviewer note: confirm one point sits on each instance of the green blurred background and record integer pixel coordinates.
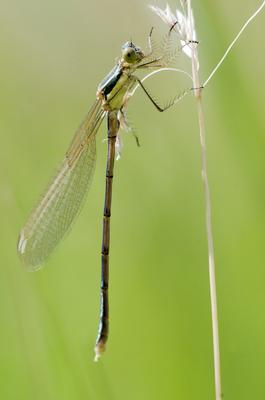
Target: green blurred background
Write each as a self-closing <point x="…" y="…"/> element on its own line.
<point x="53" y="54"/>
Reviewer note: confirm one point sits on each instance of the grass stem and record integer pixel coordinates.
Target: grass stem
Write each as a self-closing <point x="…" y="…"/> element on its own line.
<point x="207" y="199"/>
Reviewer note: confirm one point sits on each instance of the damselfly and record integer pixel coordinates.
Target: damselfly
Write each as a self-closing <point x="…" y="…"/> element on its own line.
<point x="62" y="200"/>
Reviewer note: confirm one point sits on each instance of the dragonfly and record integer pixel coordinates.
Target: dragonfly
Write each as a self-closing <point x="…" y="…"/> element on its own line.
<point x="62" y="200"/>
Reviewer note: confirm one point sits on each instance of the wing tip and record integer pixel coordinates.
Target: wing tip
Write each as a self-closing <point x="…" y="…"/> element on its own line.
<point x="22" y="243"/>
<point x="27" y="260"/>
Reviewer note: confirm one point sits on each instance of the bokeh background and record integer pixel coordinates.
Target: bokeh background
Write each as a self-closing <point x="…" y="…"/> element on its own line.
<point x="53" y="54"/>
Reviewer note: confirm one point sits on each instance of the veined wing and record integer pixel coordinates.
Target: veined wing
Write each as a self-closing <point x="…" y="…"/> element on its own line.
<point x="62" y="200"/>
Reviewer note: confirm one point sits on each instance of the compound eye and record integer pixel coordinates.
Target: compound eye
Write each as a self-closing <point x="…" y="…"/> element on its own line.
<point x="129" y="55"/>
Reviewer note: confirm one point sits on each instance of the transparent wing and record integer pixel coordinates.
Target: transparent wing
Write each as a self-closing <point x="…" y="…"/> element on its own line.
<point x="62" y="200"/>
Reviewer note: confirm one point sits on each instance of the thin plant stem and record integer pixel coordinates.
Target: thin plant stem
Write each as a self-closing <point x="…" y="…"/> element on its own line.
<point x="211" y="260"/>
<point x="233" y="43"/>
<point x="168" y="17"/>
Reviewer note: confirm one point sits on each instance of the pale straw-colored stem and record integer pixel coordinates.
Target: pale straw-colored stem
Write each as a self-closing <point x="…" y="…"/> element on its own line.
<point x="212" y="280"/>
<point x="211" y="262"/>
<point x="197" y="90"/>
<point x="233" y="42"/>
